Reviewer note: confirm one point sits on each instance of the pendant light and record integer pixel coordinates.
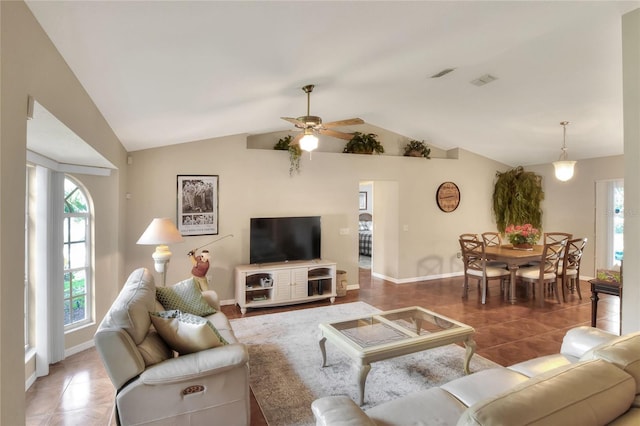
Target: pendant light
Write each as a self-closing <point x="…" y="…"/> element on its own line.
<point x="564" y="167"/>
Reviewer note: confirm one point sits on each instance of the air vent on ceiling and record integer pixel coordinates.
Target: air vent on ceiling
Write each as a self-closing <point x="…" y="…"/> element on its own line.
<point x="442" y="73"/>
<point x="485" y="79"/>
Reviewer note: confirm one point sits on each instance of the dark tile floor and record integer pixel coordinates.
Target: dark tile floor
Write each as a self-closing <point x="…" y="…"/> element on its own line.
<point x="78" y="391"/>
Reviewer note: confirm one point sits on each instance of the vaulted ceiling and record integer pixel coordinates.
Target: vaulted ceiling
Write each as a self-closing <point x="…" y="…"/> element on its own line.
<point x="167" y="72"/>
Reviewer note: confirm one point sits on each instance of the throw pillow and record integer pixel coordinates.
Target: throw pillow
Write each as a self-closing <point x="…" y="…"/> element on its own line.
<point x="186" y="297"/>
<point x="154" y="350"/>
<point x="186" y="333"/>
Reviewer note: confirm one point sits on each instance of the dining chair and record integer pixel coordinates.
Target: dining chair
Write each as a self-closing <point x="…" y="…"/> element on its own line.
<point x="476" y="267"/>
<point x="493" y="239"/>
<point x="554" y="237"/>
<point x="546" y="273"/>
<point x="569" y="267"/>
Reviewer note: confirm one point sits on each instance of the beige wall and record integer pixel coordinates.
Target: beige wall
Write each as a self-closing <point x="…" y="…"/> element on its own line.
<point x="30" y="65"/>
<point x="570" y="206"/>
<point x="252" y="183"/>
<point x="631" y="96"/>
<point x="256" y="182"/>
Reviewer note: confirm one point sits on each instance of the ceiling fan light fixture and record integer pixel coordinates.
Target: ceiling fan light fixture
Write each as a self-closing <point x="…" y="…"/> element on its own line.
<point x="309" y="141"/>
<point x="564" y="167"/>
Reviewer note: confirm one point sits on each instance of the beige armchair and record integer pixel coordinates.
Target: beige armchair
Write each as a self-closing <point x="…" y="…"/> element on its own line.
<point x="154" y="385"/>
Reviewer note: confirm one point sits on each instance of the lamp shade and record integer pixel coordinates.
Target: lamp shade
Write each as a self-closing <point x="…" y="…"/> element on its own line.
<point x="564" y="170"/>
<point x="309" y="142"/>
<point x="160" y="231"/>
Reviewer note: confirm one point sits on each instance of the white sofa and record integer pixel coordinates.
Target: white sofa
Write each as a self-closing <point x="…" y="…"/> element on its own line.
<point x="153" y="386"/>
<point x="595" y="380"/>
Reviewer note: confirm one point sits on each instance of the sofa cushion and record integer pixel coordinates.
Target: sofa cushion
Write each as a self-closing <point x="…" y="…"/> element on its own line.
<point x="540" y="365"/>
<point x="186" y="333"/>
<point x="221" y="323"/>
<point x="580" y="340"/>
<point x="184" y="296"/>
<point x="154" y="350"/>
<point x="623" y="352"/>
<point x="130" y="310"/>
<point x="432" y="406"/>
<point x="586" y="393"/>
<point x="483" y="384"/>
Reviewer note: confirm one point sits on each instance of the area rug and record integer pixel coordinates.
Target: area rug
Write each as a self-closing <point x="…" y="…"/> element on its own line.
<point x="287" y="373"/>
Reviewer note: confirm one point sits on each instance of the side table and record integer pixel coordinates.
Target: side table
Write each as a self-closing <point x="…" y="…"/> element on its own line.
<point x="605" y="287"/>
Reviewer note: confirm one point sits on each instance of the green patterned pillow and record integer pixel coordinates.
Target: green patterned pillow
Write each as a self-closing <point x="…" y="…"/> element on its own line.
<point x="186" y="297"/>
<point x="186" y="333"/>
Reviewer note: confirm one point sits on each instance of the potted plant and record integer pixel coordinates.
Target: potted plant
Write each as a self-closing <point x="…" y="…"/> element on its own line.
<point x="363" y="143"/>
<point x="284" y="144"/>
<point x="416" y="148"/>
<point x="522" y="236"/>
<point x="517" y="196"/>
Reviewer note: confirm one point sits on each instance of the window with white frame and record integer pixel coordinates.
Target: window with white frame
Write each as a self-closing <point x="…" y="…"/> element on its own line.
<point x="609" y="223"/>
<point x="27" y="245"/>
<point x="77" y="255"/>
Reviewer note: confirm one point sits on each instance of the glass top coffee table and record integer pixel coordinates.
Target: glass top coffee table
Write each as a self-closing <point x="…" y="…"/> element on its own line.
<point x="394" y="333"/>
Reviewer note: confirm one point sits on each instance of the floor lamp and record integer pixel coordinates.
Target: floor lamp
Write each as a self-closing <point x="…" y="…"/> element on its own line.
<point x="161" y="232"/>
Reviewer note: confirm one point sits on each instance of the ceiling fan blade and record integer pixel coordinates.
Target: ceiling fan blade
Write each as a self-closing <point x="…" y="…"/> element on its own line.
<point x="337" y="134"/>
<point x="294" y="121"/>
<point x="347" y="122"/>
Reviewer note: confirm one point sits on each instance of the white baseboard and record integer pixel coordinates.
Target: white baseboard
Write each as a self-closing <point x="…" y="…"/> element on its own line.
<point x="79" y="348"/>
<point x="416" y="279"/>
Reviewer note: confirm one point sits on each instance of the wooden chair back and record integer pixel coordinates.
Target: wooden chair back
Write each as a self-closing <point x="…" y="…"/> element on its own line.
<point x="573" y="254"/>
<point x="569" y="272"/>
<point x="553" y="237"/>
<point x="491" y="239"/>
<point x="473" y="237"/>
<point x="551" y="256"/>
<point x="473" y="255"/>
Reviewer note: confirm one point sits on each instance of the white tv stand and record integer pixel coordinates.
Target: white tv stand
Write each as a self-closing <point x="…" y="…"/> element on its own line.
<point x="285" y="283"/>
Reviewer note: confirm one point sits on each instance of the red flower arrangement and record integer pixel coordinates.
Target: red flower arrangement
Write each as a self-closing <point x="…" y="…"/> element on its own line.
<point x="522" y="234"/>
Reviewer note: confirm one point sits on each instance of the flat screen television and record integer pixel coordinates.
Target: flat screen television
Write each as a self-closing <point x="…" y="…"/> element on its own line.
<point x="283" y="239"/>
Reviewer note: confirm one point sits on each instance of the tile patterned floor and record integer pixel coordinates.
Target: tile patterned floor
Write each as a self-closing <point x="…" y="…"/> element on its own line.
<point x="78" y="391"/>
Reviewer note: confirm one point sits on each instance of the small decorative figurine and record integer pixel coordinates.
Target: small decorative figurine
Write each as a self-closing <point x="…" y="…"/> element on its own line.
<point x="200" y="267"/>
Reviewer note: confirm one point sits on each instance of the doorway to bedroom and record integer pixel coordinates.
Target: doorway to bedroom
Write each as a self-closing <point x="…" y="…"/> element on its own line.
<point x="365" y="227"/>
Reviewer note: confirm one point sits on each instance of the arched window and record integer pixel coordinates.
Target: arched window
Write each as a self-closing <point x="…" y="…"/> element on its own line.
<point x="77" y="255"/>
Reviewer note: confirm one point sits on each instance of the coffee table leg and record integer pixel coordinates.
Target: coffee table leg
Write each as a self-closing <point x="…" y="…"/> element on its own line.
<point x="470" y="344"/>
<point x="324" y="351"/>
<point x="363" y="371"/>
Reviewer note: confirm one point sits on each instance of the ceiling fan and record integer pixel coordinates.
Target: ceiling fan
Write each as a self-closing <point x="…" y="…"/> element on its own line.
<point x="312" y="125"/>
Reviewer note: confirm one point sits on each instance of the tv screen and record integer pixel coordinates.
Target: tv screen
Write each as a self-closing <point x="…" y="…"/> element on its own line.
<point x="282" y="239"/>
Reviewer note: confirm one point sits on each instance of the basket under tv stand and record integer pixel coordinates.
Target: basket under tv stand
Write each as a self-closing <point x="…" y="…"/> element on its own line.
<point x="284" y="283"/>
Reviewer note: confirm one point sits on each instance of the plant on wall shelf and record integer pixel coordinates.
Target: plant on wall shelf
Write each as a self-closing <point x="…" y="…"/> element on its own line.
<point x="516" y="198"/>
<point x="415" y="148"/>
<point x="284" y="144"/>
<point x="363" y="143"/>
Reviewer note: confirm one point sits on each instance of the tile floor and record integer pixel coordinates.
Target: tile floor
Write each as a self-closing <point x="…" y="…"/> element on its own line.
<point x="78" y="391"/>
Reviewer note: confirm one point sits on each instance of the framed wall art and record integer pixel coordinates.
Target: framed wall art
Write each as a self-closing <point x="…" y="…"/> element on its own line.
<point x="197" y="204"/>
<point x="363" y="201"/>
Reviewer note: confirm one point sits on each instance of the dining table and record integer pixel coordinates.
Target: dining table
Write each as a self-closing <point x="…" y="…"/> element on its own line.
<point x="514" y="258"/>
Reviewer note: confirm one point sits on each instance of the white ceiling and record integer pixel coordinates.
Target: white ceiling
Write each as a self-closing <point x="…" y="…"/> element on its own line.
<point x="167" y="72"/>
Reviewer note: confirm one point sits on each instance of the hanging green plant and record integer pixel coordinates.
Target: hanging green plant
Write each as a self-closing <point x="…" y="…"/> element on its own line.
<point x="416" y="148"/>
<point x="363" y="143"/>
<point x="284" y="144"/>
<point x="517" y="196"/>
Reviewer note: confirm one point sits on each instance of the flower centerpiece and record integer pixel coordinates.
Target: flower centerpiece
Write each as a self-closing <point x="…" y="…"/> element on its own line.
<point x="522" y="236"/>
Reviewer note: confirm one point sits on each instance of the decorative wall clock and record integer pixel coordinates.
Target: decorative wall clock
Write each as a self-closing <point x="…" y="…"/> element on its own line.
<point x="448" y="196"/>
